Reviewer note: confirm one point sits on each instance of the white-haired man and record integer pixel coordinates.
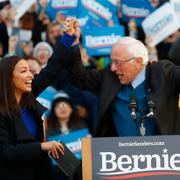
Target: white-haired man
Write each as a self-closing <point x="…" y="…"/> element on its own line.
<point x="128" y="84"/>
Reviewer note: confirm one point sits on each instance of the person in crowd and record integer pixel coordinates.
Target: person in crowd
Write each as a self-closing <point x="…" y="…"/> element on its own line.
<point x="23" y="152"/>
<point x="63" y="116"/>
<point x="63" y="119"/>
<point x="41" y="21"/>
<point x="24" y="49"/>
<point x="34" y="66"/>
<point x="174" y="54"/>
<point x="1" y="50"/>
<point x="164" y="47"/>
<point x="3" y="30"/>
<point x="12" y="42"/>
<point x="42" y="51"/>
<point x="18" y="47"/>
<point x="128" y="84"/>
<point x="53" y="31"/>
<point x="60" y="18"/>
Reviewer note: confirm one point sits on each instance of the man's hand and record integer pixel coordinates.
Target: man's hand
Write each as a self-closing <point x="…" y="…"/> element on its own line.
<point x="71" y="27"/>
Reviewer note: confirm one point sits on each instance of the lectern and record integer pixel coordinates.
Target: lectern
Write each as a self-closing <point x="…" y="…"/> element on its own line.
<point x="137" y="158"/>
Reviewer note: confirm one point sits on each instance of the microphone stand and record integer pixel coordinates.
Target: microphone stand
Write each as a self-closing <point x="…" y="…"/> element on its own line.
<point x="142" y="129"/>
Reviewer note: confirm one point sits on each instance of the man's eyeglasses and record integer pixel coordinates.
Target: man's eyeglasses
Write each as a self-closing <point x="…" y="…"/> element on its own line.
<point x="119" y="63"/>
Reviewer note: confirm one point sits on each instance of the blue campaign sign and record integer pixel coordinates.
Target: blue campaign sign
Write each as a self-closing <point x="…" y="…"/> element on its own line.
<point x="98" y="11"/>
<point x="84" y="19"/>
<point x="99" y="41"/>
<point x="137" y="10"/>
<point x="111" y="5"/>
<point x="137" y="158"/>
<point x="72" y="140"/>
<point x="68" y="8"/>
<point x="46" y="97"/>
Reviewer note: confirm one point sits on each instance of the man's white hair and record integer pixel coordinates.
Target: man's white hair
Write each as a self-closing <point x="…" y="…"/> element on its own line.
<point x="135" y="47"/>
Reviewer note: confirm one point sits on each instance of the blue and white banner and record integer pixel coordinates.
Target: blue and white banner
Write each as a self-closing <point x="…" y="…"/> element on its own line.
<point x="46" y="97"/>
<point x="84" y="19"/>
<point x="68" y="8"/>
<point x="137" y="10"/>
<point x="99" y="41"/>
<point x="113" y="2"/>
<point x="21" y="6"/>
<point x="15" y="3"/>
<point x="136" y="158"/>
<point x="109" y="4"/>
<point x="176" y="6"/>
<point x="100" y="12"/>
<point x="160" y="24"/>
<point x="72" y="141"/>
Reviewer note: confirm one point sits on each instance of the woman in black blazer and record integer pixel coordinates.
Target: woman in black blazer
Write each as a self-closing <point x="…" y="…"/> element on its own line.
<point x="23" y="154"/>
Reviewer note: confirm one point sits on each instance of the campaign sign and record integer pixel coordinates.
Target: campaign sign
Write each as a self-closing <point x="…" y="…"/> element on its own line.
<point x="137" y="158"/>
<point x="72" y="140"/>
<point x="176" y="5"/>
<point x="137" y="10"/>
<point x="111" y="5"/>
<point x="113" y="2"/>
<point x="21" y="6"/>
<point x="46" y="97"/>
<point x="68" y="8"/>
<point x="99" y="11"/>
<point x="15" y="3"/>
<point x="99" y="41"/>
<point x="161" y="23"/>
<point x="85" y="20"/>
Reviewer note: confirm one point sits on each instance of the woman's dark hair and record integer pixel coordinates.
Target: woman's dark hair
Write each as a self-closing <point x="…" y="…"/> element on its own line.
<point x="52" y="121"/>
<point x="8" y="103"/>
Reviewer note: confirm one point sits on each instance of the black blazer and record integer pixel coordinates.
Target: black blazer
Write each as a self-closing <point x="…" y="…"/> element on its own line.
<point x="20" y="153"/>
<point x="21" y="156"/>
<point x="164" y="80"/>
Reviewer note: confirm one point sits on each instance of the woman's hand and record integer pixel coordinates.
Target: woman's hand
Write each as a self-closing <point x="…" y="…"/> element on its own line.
<point x="53" y="147"/>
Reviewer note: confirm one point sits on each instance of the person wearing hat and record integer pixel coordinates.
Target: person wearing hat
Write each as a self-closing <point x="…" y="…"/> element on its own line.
<point x="63" y="116"/>
<point x="42" y="52"/>
<point x="62" y="119"/>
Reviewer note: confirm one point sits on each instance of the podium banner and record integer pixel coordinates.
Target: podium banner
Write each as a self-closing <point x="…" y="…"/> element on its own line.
<point x="137" y="158"/>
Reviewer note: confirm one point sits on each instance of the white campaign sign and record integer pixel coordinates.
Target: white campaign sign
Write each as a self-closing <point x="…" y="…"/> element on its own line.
<point x="21" y="7"/>
<point x="176" y="5"/>
<point x="16" y="3"/>
<point x="160" y="24"/>
<point x="2" y="1"/>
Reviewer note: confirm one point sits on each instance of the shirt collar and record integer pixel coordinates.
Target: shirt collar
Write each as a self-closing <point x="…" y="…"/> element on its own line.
<point x="139" y="78"/>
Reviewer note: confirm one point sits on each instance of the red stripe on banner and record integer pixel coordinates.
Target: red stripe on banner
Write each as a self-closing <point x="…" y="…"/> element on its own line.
<point x="140" y="175"/>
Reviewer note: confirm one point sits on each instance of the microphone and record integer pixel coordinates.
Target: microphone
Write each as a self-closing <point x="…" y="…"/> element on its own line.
<point x="151" y="106"/>
<point x="133" y="106"/>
